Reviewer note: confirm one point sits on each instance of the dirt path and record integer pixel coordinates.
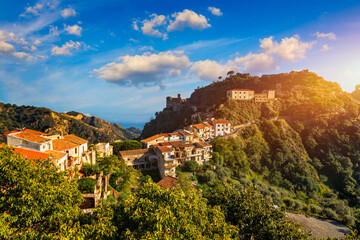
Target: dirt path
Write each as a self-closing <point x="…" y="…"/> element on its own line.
<point x="319" y="227"/>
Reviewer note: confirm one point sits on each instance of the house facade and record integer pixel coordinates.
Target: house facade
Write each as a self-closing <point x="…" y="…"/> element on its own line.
<point x="221" y="127"/>
<point x="240" y="94"/>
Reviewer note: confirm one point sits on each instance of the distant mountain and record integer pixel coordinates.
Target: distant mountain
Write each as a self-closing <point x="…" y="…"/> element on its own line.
<point x="91" y="128"/>
<point x="135" y="130"/>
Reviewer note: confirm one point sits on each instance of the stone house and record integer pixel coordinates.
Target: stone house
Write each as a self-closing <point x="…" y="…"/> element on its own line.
<point x="240" y="94"/>
<point x="221" y="127"/>
<point x="140" y="159"/>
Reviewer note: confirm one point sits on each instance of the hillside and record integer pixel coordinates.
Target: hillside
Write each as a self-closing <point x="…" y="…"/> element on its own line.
<point x="303" y="152"/>
<point x="91" y="128"/>
<point x="303" y="95"/>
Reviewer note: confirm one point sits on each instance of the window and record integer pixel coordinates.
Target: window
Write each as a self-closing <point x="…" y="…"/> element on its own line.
<point x="75" y="150"/>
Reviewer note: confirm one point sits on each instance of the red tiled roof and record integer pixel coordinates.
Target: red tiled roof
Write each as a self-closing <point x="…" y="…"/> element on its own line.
<point x="25" y="130"/>
<point x="168" y="182"/>
<point x="75" y="139"/>
<point x="207" y="124"/>
<point x="63" y="144"/>
<point x="203" y="144"/>
<point x="164" y="149"/>
<point x="165" y="144"/>
<point x="31" y="137"/>
<point x="152" y="138"/>
<point x="135" y="152"/>
<point x="220" y="121"/>
<point x="200" y="126"/>
<point x="31" y="154"/>
<point x="56" y="155"/>
<point x="185" y="133"/>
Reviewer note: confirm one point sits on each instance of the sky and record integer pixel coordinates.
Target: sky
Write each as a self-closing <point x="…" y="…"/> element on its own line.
<point x="118" y="60"/>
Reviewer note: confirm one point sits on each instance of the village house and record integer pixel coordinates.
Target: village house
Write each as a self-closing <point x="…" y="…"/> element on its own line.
<point x="240" y="94"/>
<point x="221" y="127"/>
<point x="104" y="149"/>
<point x="167" y="162"/>
<point x="247" y="94"/>
<point x="140" y="159"/>
<point x="66" y="152"/>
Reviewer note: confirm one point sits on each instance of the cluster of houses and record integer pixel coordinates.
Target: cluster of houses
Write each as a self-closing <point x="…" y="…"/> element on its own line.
<point x="248" y="94"/>
<point x="66" y="152"/>
<point x="167" y="151"/>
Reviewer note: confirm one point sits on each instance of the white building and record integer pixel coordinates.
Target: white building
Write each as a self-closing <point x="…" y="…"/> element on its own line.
<point x="221" y="127"/>
<point x="240" y="94"/>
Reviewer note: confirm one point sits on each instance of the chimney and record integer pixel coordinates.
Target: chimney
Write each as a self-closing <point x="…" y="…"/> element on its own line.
<point x="179" y="95"/>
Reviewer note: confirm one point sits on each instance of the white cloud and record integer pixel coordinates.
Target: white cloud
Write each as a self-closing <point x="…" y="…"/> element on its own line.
<point x="54" y="31"/>
<point x="330" y="35"/>
<point x="75" y="30"/>
<point x="2" y="35"/>
<point x="20" y="55"/>
<point x="6" y="48"/>
<point x="148" y="26"/>
<point x="135" y="25"/>
<point x="146" y="69"/>
<point x="257" y="63"/>
<point x="325" y="48"/>
<point x="13" y="38"/>
<point x="33" y="10"/>
<point x="66" y="48"/>
<point x="215" y="11"/>
<point x="37" y="42"/>
<point x="188" y="18"/>
<point x="289" y="49"/>
<point x="211" y="70"/>
<point x="68" y="12"/>
<point x="33" y="48"/>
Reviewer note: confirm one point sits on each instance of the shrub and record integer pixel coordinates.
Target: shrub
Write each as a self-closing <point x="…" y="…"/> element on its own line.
<point x="191" y="166"/>
<point x="329" y="213"/>
<point x="87" y="185"/>
<point x="315" y="209"/>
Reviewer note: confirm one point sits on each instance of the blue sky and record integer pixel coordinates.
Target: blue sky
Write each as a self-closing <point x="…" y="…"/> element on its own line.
<point x="119" y="60"/>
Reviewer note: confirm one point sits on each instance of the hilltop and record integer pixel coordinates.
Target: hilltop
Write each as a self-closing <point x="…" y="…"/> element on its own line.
<point x="301" y="95"/>
<point x="91" y="128"/>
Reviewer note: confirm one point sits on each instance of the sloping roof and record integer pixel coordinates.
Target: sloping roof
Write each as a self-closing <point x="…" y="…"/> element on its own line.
<point x="75" y="139"/>
<point x="31" y="154"/>
<point x="25" y="130"/>
<point x="241" y="90"/>
<point x="220" y="121"/>
<point x="63" y="144"/>
<point x="31" y="137"/>
<point x="152" y="138"/>
<point x="186" y="133"/>
<point x="177" y="144"/>
<point x="165" y="144"/>
<point x="56" y="155"/>
<point x="168" y="182"/>
<point x="135" y="152"/>
<point x="207" y="124"/>
<point x="199" y="126"/>
<point x="203" y="144"/>
<point x="164" y="149"/>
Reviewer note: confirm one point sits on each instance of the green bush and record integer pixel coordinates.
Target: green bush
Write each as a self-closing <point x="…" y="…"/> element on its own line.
<point x="87" y="185"/>
<point x="329" y="213"/>
<point x="191" y="166"/>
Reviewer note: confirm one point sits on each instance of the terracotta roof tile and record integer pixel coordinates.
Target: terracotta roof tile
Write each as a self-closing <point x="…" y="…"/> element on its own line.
<point x="63" y="144"/>
<point x="31" y="137"/>
<point x="200" y="126"/>
<point x="135" y="152"/>
<point x="75" y="139"/>
<point x="220" y="121"/>
<point x="31" y="154"/>
<point x="25" y="130"/>
<point x="56" y="155"/>
<point x="152" y="138"/>
<point x="168" y="182"/>
<point x="164" y="149"/>
<point x="207" y="124"/>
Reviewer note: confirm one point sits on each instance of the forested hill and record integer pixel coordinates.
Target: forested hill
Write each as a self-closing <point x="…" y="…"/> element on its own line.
<point x="304" y="95"/>
<point x="92" y="128"/>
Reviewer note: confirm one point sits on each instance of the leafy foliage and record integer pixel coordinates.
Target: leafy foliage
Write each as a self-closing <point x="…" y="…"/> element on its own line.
<point x="125" y="145"/>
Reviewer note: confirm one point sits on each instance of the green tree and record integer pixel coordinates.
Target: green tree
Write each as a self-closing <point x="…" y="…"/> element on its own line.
<point x="38" y="202"/>
<point x="157" y="213"/>
<point x="125" y="145"/>
<point x="255" y="217"/>
<point x="191" y="166"/>
<point x="87" y="185"/>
